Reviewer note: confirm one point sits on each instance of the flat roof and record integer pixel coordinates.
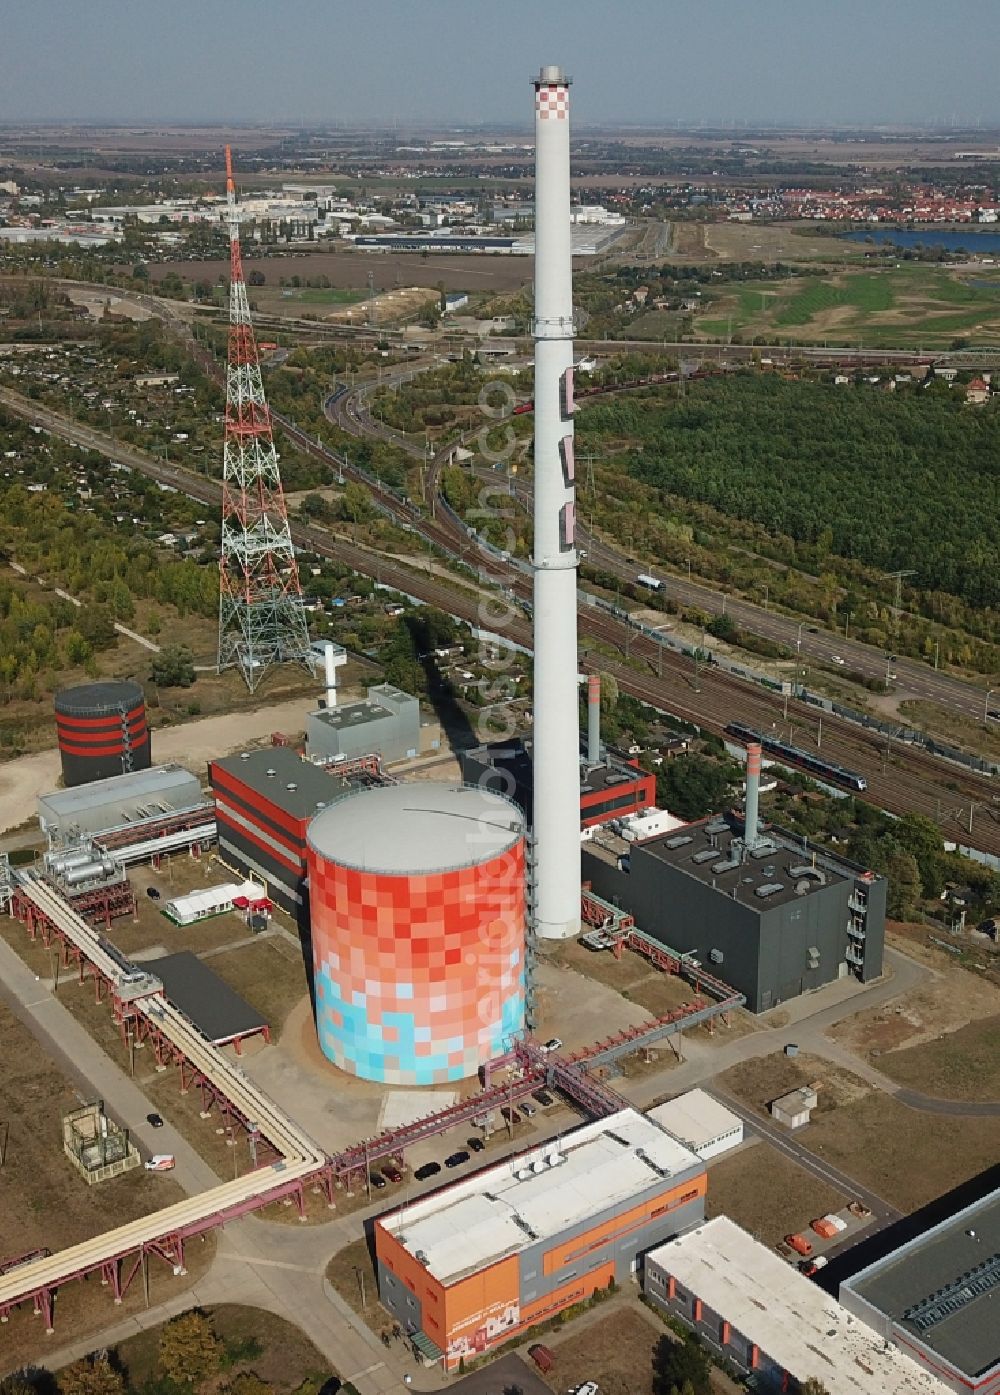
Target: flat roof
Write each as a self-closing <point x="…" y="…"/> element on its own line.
<point x="968" y="1337"/>
<point x="790" y="1318"/>
<point x="353" y="714"/>
<point x="135" y="787"/>
<point x="505" y="1209"/>
<point x="272" y="771"/>
<point x="696" y="1118"/>
<point x="784" y="865"/>
<point x="204" y="998"/>
<point x="515" y="756"/>
<point x="417" y="828"/>
<point x="210" y="898"/>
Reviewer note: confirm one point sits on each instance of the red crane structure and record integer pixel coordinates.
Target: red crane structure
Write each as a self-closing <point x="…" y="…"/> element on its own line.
<point x="262" y="619"/>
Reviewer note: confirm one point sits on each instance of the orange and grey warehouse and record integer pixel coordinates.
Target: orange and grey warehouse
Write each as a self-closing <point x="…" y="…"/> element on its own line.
<point x="480" y="1262"/>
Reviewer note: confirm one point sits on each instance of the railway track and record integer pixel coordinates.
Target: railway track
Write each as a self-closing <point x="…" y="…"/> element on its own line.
<point x="904" y="780"/>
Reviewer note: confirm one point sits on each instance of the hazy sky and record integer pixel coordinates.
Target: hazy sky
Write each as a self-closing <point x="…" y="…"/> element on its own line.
<point x="831" y="62"/>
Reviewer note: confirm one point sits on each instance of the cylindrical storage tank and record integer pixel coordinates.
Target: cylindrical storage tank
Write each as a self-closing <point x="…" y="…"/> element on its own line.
<point x="102" y="731"/>
<point x="417" y="913"/>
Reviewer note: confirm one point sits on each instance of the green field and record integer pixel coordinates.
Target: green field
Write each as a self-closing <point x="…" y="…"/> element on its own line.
<point x="326" y="295"/>
<point x="907" y="306"/>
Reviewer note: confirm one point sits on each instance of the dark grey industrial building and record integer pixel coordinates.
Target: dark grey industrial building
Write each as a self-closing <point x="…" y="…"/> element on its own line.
<point x="936" y="1298"/>
<point x="774" y="921"/>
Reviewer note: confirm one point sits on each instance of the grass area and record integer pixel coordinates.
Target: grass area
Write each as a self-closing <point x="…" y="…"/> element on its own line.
<point x="907" y="1158"/>
<point x="287" y="1357"/>
<point x="965" y="732"/>
<point x="269" y="974"/>
<point x="757" y="1082"/>
<point x="904" y="306"/>
<point x="616" y="1351"/>
<point x="352" y="1272"/>
<point x="325" y="295"/>
<point x="767" y="1193"/>
<point x="964" y="1065"/>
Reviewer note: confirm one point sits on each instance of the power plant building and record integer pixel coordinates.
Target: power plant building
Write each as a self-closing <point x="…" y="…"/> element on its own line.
<point x="609" y="788"/>
<point x="102" y="731"/>
<point x="774" y="920"/>
<point x="417" y="913"/>
<point x="264" y="801"/>
<point x="387" y="723"/>
<point x="480" y="1262"/>
<point x="117" y="802"/>
<point x="756" y="1311"/>
<point x="935" y="1298"/>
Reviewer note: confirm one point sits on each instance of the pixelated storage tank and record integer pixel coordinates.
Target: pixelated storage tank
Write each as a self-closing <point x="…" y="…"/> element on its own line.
<point x="102" y="731"/>
<point x="417" y="911"/>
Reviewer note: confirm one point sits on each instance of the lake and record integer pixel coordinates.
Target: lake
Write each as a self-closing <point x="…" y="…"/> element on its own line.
<point x="986" y="244"/>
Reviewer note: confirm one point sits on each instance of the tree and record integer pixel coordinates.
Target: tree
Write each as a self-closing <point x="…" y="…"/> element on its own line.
<point x="94" y="1375"/>
<point x="921" y="836"/>
<point x="693" y="786"/>
<point x="173" y="667"/>
<point x="680" y="1365"/>
<point x="247" y="1383"/>
<point x="190" y="1349"/>
<point x="17" y="1384"/>
<point x="904" y="885"/>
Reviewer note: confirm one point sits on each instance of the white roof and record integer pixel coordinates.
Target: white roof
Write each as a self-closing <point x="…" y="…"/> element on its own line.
<point x="696" y="1118"/>
<point x="506" y="1208"/>
<point x="213" y="898"/>
<point x="786" y="1315"/>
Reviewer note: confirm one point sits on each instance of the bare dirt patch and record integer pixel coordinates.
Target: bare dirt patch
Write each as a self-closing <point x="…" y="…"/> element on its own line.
<point x="946" y="1004"/>
<point x="615" y="1350"/>
<point x="767" y="1193"/>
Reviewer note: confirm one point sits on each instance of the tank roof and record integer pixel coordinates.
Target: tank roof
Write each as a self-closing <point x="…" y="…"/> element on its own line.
<point x="89" y="695"/>
<point x="416" y="828"/>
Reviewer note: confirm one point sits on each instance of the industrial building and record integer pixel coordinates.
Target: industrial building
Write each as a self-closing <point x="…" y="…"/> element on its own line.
<point x="387" y="723"/>
<point x="102" y="731"/>
<point x="609" y="789"/>
<point x="122" y="801"/>
<point x="263" y="803"/>
<point x="700" y="1122"/>
<point x="216" y="900"/>
<point x="417" y="912"/>
<point x="936" y="1298"/>
<point x="754" y="1309"/>
<point x="478" y="1263"/>
<point x="773" y="915"/>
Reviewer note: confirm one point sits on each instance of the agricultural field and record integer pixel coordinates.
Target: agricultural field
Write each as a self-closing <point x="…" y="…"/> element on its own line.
<point x="909" y="306"/>
<point x="772" y="242"/>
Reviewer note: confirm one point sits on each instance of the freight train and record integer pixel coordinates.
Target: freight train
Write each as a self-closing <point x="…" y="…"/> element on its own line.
<point x="794" y="755"/>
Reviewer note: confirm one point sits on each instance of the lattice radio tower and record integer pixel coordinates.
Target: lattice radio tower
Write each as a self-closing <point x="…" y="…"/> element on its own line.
<point x="262" y="620"/>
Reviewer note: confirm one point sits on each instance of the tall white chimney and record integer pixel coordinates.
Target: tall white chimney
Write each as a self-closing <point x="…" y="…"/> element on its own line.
<point x="556" y="743"/>
<point x="333" y="656"/>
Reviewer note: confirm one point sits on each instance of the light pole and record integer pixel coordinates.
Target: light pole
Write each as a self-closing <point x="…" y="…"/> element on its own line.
<point x="798" y="638"/>
<point x="766" y="593"/>
<point x="986" y="706"/>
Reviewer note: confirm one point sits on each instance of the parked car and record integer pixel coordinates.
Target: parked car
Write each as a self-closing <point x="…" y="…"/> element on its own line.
<point x="528" y="1110"/>
<point x="430" y="1169"/>
<point x="392" y="1172"/>
<point x="456" y="1159"/>
<point x="161" y="1162"/>
<point x="542" y="1356"/>
<point x="812" y="1266"/>
<point x="475" y="1145"/>
<point x="377" y="1180"/>
<point x="543" y="1097"/>
<point x="511" y="1115"/>
<point x="553" y="1044"/>
<point x="155" y="1120"/>
<point x="799" y="1244"/>
<point x="589" y="1387"/>
<point x="153" y="893"/>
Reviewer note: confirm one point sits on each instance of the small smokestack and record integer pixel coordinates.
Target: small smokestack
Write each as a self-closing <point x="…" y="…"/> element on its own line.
<point x="594" y="719"/>
<point x="331" y="658"/>
<point x="750" y="835"/>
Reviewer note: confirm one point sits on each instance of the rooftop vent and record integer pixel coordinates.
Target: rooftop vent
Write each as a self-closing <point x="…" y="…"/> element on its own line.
<point x="705" y="855"/>
<point x="728" y="864"/>
<point x="679" y="842"/>
<point x="291" y="785"/>
<point x="244" y="755"/>
<point x="271" y="773"/>
<point x="768" y="889"/>
<point x="763" y="849"/>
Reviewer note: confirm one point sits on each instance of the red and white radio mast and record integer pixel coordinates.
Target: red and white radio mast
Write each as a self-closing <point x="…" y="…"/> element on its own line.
<point x="262" y="620"/>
